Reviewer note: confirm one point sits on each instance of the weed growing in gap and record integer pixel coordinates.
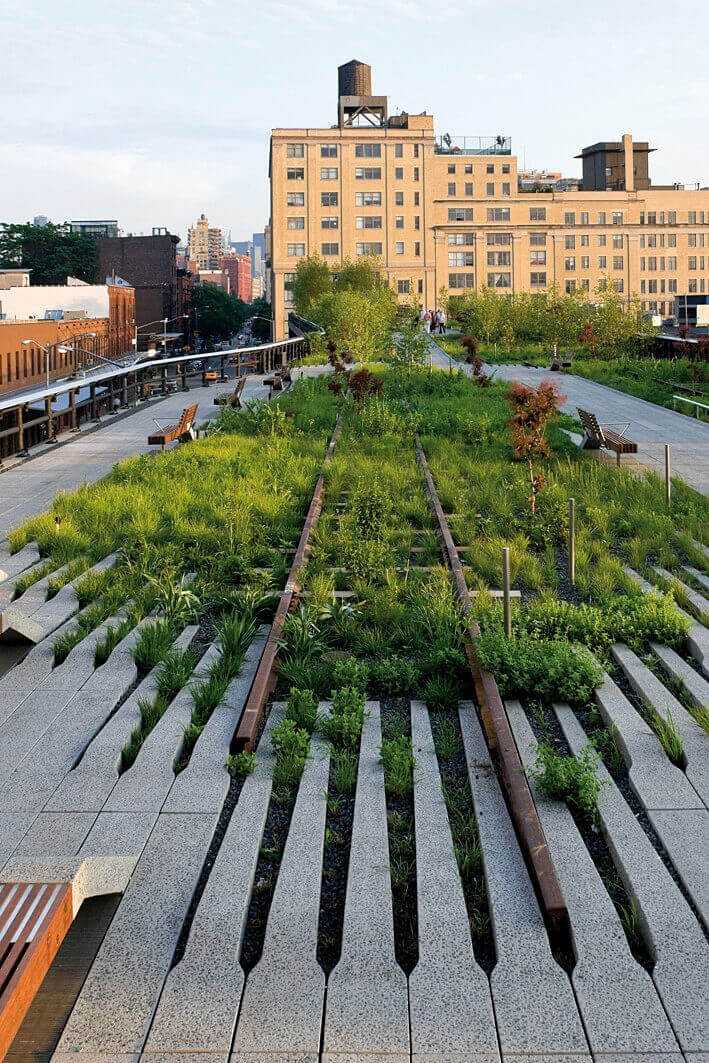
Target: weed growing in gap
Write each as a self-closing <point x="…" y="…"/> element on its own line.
<point x="568" y="778"/>
<point x="302" y="709"/>
<point x="670" y="737"/>
<point x="441" y="692"/>
<point x="344" y="771"/>
<point x="239" y="765"/>
<point x="349" y="672"/>
<point x="607" y="741"/>
<point x="29" y="578"/>
<point x="175" y="672"/>
<point x="72" y="570"/>
<point x="397" y="757"/>
<point x="91" y="586"/>
<point x="402" y="852"/>
<point x="153" y="645"/>
<point x="150" y="712"/>
<point x="446" y="738"/>
<point x="290" y="745"/>
<point x="343" y="727"/>
<point x="107" y="644"/>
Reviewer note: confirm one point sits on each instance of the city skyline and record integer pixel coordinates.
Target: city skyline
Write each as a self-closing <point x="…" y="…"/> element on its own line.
<point x="157" y="141"/>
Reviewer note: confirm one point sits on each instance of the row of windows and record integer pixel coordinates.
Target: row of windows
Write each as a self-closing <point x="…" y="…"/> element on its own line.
<point x="692" y="287"/>
<point x="585" y="262"/>
<point x="505" y="189"/>
<point x="653" y="263"/>
<point x="362" y="151"/>
<point x="489" y="167"/>
<point x="366" y="221"/>
<point x="653" y="287"/>
<point x="362" y="199"/>
<point x="298" y="250"/>
<point x="362" y="173"/>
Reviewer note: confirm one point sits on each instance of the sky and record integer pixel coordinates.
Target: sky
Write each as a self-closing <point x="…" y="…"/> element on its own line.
<point x="154" y="111"/>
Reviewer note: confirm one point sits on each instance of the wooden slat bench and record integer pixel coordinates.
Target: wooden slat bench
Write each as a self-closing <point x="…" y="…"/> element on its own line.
<point x="232" y="398"/>
<point x="171" y="432"/>
<point x="34" y="919"/>
<point x="280" y="380"/>
<point x="596" y="436"/>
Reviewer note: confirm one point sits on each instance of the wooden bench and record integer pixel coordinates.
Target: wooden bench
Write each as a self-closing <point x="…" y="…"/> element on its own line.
<point x="596" y="436"/>
<point x="280" y="380"/>
<point x="181" y="431"/>
<point x="232" y="398"/>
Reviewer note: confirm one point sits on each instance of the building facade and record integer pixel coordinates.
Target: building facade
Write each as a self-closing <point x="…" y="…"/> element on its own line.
<point x="204" y="244"/>
<point x="67" y="323"/>
<point x="446" y="215"/>
<point x="218" y="278"/>
<point x="238" y="267"/>
<point x="95" y="229"/>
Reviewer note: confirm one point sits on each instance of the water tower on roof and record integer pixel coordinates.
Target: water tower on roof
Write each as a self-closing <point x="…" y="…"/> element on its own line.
<point x="356" y="104"/>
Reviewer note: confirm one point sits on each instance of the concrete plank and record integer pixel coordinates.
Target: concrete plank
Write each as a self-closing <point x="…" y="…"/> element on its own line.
<point x="685" y="836"/>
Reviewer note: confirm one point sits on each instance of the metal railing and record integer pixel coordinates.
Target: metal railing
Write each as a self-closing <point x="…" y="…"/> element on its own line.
<point x="38" y="415"/>
<point x="447" y="145"/>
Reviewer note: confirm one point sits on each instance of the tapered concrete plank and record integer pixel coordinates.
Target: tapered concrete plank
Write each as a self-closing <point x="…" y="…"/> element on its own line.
<point x="144" y="787"/>
<point x="654" y="778"/>
<point x="203" y="785"/>
<point x="199" y="1004"/>
<point x="701" y="578"/>
<point x="116" y="1003"/>
<point x="88" y="785"/>
<point x="698" y="638"/>
<point x="9" y="583"/>
<point x="23" y="608"/>
<point x="367" y="1002"/>
<point x="694" y="685"/>
<point x="640" y="1057"/>
<point x="53" y="838"/>
<point x="685" y="836"/>
<point x="619" y="1003"/>
<point x="697" y="602"/>
<point x="681" y="972"/>
<point x="534" y="1003"/>
<point x="13" y="564"/>
<point x="449" y="994"/>
<point x="51" y="614"/>
<point x="288" y="971"/>
<point x="20" y="681"/>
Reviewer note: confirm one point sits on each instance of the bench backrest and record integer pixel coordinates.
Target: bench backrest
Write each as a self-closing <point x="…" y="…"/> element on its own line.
<point x="240" y="384"/>
<point x="187" y="419"/>
<point x="590" y="425"/>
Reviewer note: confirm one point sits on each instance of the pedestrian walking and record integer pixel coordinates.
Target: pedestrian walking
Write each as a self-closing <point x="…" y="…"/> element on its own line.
<point x="441" y="321"/>
<point x="427" y="321"/>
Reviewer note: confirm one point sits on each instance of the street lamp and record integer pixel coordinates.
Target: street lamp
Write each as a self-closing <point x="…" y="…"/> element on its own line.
<point x="61" y="349"/>
<point x="164" y="321"/>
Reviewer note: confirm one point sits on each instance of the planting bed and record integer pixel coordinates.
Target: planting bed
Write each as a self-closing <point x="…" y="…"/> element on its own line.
<point x="350" y="882"/>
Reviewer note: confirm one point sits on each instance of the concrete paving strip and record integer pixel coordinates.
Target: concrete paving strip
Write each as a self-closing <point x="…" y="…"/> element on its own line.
<point x="694" y="685"/>
<point x="675" y="938"/>
<point x="200" y="1000"/>
<point x="144" y="786"/>
<point x="685" y="836"/>
<point x="698" y="603"/>
<point x="203" y="785"/>
<point x="698" y="637"/>
<point x="449" y="994"/>
<point x="42" y="770"/>
<point x="288" y="974"/>
<point x="112" y="1014"/>
<point x="701" y="578"/>
<point x="649" y="688"/>
<point x="654" y="778"/>
<point x="23" y="608"/>
<point x="619" y="1003"/>
<point x="534" y="1003"/>
<point x="8" y="585"/>
<point x="88" y="785"/>
<point x="367" y="1011"/>
<point x="13" y="564"/>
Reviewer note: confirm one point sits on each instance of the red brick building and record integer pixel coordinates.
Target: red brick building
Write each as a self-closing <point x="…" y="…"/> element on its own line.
<point x="238" y="267"/>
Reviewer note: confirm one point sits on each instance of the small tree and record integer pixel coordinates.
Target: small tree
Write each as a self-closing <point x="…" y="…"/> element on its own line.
<point x="312" y="280"/>
<point x="411" y="345"/>
<point x="532" y="412"/>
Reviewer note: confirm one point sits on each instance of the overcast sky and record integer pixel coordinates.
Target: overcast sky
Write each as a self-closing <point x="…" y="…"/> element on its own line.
<point x="152" y="111"/>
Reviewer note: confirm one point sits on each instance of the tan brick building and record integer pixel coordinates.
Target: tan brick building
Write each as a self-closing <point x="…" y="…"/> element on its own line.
<point x="447" y="213"/>
<point x="205" y="245"/>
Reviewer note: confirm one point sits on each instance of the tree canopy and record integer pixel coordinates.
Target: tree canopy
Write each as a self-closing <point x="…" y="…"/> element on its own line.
<point x="50" y="252"/>
<point x="219" y="315"/>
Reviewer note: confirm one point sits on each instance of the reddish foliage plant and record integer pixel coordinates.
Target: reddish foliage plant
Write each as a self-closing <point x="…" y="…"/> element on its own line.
<point x="532" y="411"/>
<point x="364" y="385"/>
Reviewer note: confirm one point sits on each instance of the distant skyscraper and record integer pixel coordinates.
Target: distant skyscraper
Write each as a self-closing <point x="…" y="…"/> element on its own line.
<point x="40" y="220"/>
<point x="258" y="255"/>
<point x="204" y="245"/>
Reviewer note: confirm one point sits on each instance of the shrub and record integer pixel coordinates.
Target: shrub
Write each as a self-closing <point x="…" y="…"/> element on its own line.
<point x="554" y="671"/>
<point x="394" y="675"/>
<point x="290" y="745"/>
<point x="349" y="672"/>
<point x="441" y="692"/>
<point x="532" y="412"/>
<point x="397" y="757"/>
<point x="239" y="765"/>
<point x="302" y="709"/>
<point x="343" y="727"/>
<point x="568" y="778"/>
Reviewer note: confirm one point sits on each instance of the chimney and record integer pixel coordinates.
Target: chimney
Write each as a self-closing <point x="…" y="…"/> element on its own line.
<point x="628" y="162"/>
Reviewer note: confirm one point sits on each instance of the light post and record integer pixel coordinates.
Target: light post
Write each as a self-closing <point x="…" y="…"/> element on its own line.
<point x="46" y="348"/>
<point x="164" y="321"/>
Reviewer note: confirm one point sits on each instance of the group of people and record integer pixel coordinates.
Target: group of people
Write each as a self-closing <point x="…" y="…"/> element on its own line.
<point x="433" y="321"/>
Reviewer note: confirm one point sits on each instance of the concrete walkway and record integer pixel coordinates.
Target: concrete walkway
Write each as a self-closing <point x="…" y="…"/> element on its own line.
<point x="650" y="426"/>
<point x="29" y="487"/>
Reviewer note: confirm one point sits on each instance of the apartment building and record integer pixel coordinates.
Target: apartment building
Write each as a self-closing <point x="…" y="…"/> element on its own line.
<point x="238" y="268"/>
<point x="448" y="214"/>
<point x="205" y="245"/>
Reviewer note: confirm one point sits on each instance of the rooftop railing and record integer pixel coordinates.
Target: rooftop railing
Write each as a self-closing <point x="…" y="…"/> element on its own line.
<point x="499" y="145"/>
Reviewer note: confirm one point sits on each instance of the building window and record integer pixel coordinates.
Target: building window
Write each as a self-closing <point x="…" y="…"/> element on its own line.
<point x="499" y="280"/>
<point x="570" y="243"/>
<point x="584" y="240"/>
<point x="417" y="221"/>
<point x="672" y="287"/>
<point x="617" y="217"/>
<point x="460" y="258"/>
<point x="618" y="285"/>
<point x="692" y="263"/>
<point x="538" y="280"/>
<point x="328" y="199"/>
<point x="602" y="217"/>
<point x="295" y="173"/>
<point x="570" y="263"/>
<point x="368" y="151"/>
<point x="460" y="280"/>
<point x="451" y="167"/>
<point x="499" y="258"/>
<point x="330" y="223"/>
<point x="692" y="240"/>
<point x="296" y="250"/>
<point x="672" y="239"/>
<point x="617" y="261"/>
<point x="416" y="150"/>
<point x="373" y="221"/>
<point x="368" y="249"/>
<point x="328" y="151"/>
<point x="468" y="167"/>
<point x="295" y="151"/>
<point x="296" y="223"/>
<point x="368" y="173"/>
<point x="498" y="213"/>
<point x="288" y="282"/>
<point x="570" y="287"/>
<point x="399" y="221"/>
<point x="602" y="240"/>
<point x="537" y="213"/>
<point x="672" y="217"/>
<point x="469" y="190"/>
<point x="585" y="285"/>
<point x="419" y="283"/>
<point x="505" y="188"/>
<point x="417" y="199"/>
<point x="296" y="199"/>
<point x="417" y="249"/>
<point x="538" y="258"/>
<point x="652" y="287"/>
<point x="490" y="168"/>
<point x="585" y="262"/>
<point x="403" y="287"/>
<point x="460" y="214"/>
<point x="692" y="217"/>
<point x="330" y="249"/>
<point x="569" y="218"/>
<point x="461" y="238"/>
<point x="537" y="239"/>
<point x="398" y="151"/>
<point x="416" y="173"/>
<point x="618" y="242"/>
<point x="692" y="286"/>
<point x="451" y="188"/>
<point x="505" y="167"/>
<point x="399" y="199"/>
<point x="398" y="173"/>
<point x="328" y="173"/>
<point x="368" y="199"/>
<point x="672" y="264"/>
<point x="583" y="217"/>
<point x="499" y="239"/>
<point x="490" y="188"/>
<point x="399" y="247"/>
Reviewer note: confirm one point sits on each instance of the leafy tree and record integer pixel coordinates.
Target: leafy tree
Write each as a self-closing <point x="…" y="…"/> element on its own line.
<point x="411" y="344"/>
<point x="50" y="251"/>
<point x="362" y="275"/>
<point x="357" y="322"/>
<point x="219" y="315"/>
<point x="312" y="281"/>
